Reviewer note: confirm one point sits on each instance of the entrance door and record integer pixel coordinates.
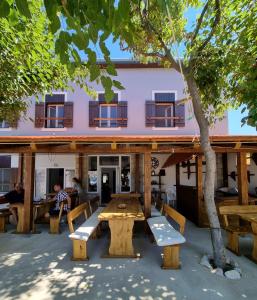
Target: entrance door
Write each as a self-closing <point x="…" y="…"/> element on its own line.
<point x="108" y="183"/>
<point x="54" y="175"/>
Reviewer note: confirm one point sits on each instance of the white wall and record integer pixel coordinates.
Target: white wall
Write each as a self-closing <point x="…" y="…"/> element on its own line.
<point x="139" y="84"/>
<point x="45" y="161"/>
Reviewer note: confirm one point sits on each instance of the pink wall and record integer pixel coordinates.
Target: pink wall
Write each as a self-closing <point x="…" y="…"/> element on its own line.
<point x="139" y="84"/>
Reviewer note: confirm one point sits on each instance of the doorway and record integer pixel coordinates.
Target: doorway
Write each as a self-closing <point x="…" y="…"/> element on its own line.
<point x="108" y="183"/>
<point x="54" y="175"/>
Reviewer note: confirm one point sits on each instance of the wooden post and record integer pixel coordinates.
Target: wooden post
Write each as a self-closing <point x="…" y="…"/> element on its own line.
<point x="80" y="166"/>
<point x="147" y="184"/>
<point x="20" y="169"/>
<point x="137" y="173"/>
<point x="199" y="186"/>
<point x="242" y="178"/>
<point x="29" y="171"/>
<point x="225" y="169"/>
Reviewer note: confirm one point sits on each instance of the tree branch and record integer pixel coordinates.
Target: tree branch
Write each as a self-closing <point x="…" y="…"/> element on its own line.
<point x="199" y="22"/>
<point x="213" y="27"/>
<point x="146" y="24"/>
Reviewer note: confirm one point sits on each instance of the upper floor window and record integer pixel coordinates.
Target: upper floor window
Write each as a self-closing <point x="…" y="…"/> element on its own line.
<point x="108" y="114"/>
<point x="4" y="124"/>
<point x="55" y="112"/>
<point x="163" y="111"/>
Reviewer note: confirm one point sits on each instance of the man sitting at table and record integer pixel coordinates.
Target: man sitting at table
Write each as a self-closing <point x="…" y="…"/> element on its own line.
<point x="14" y="196"/>
<point x="59" y="198"/>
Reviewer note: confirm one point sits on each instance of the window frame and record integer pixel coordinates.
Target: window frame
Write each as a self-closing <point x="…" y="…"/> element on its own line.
<point x="108" y="109"/>
<point x="56" y="104"/>
<point x="175" y="92"/>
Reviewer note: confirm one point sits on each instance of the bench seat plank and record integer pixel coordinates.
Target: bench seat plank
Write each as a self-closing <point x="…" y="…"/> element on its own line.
<point x="155" y="212"/>
<point x="164" y="233"/>
<point x="84" y="231"/>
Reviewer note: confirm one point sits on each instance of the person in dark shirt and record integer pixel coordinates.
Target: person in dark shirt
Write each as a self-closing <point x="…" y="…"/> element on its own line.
<point x="14" y="196"/>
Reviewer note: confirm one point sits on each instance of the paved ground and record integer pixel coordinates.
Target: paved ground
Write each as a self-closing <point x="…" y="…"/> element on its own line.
<point x="39" y="267"/>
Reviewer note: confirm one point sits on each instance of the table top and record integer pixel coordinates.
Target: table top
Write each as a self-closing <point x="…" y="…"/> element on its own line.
<point x="249" y="217"/>
<point x="133" y="210"/>
<point x="43" y="202"/>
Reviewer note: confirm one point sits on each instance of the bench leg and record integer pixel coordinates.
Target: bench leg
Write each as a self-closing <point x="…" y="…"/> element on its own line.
<point x="171" y="257"/>
<point x="233" y="242"/>
<point x="54" y="226"/>
<point x="79" y="250"/>
<point x="2" y="224"/>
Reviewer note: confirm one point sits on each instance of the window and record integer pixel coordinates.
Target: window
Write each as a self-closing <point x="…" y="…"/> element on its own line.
<point x="109" y="160"/>
<point x="55" y="116"/>
<point x="92" y="174"/>
<point x="108" y="113"/>
<point x="164" y="109"/>
<point x="5" y="180"/>
<point x="125" y="174"/>
<point x="4" y="124"/>
<point x="54" y="110"/>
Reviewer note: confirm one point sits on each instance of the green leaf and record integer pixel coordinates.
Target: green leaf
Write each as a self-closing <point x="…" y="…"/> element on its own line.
<point x="118" y="85"/>
<point x="80" y="40"/>
<point x="23" y="8"/>
<point x="4" y="8"/>
<point x="94" y="72"/>
<point x="55" y="24"/>
<point x="111" y="70"/>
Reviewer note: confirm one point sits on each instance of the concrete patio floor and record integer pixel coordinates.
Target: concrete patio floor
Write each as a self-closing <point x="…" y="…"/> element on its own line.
<point x="39" y="267"/>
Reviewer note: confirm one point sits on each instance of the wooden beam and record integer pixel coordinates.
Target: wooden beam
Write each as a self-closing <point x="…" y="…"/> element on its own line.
<point x="29" y="172"/>
<point x="137" y="173"/>
<point x="242" y="178"/>
<point x="147" y="184"/>
<point x="225" y="169"/>
<point x="199" y="186"/>
<point x="80" y="166"/>
<point x="73" y="146"/>
<point x="33" y="147"/>
<point x="154" y="146"/>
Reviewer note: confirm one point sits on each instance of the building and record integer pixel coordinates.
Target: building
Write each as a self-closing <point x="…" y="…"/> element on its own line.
<point x="145" y="140"/>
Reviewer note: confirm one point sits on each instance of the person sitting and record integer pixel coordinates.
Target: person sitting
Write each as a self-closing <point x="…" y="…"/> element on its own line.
<point x="14" y="196"/>
<point x="59" y="198"/>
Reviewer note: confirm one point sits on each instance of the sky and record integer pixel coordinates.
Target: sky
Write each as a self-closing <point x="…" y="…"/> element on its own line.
<point x="234" y="116"/>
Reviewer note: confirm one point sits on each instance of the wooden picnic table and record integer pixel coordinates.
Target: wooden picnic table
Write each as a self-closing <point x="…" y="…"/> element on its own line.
<point x="121" y="223"/>
<point x="4" y="213"/>
<point x="252" y="218"/>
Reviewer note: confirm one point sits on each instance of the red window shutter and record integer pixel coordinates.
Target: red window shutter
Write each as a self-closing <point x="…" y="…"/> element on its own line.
<point x="93" y="113"/>
<point x="149" y="113"/>
<point x="39" y="115"/>
<point x="180" y="112"/>
<point x="68" y="114"/>
<point x="123" y="114"/>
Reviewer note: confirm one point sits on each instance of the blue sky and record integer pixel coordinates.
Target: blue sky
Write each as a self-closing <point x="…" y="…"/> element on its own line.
<point x="234" y="116"/>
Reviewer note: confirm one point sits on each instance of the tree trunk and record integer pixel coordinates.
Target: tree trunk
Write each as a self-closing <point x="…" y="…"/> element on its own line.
<point x="209" y="184"/>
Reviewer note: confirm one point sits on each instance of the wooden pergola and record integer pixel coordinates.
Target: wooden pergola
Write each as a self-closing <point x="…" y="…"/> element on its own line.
<point x="28" y="146"/>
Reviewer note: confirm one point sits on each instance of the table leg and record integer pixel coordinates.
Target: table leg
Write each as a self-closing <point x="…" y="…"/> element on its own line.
<point x="121" y="238"/>
<point x="254" y="252"/>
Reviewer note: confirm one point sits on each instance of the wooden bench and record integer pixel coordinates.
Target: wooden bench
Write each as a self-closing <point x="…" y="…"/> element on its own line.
<point x="81" y="235"/>
<point x="168" y="237"/>
<point x="55" y="220"/>
<point x="236" y="229"/>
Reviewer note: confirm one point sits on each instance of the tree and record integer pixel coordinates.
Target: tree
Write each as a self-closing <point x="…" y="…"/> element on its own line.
<point x="28" y="63"/>
<point x="213" y="64"/>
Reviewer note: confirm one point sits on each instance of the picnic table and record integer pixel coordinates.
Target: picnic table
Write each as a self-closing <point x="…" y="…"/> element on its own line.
<point x="252" y="218"/>
<point x="4" y="213"/>
<point x="43" y="204"/>
<point x="121" y="214"/>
